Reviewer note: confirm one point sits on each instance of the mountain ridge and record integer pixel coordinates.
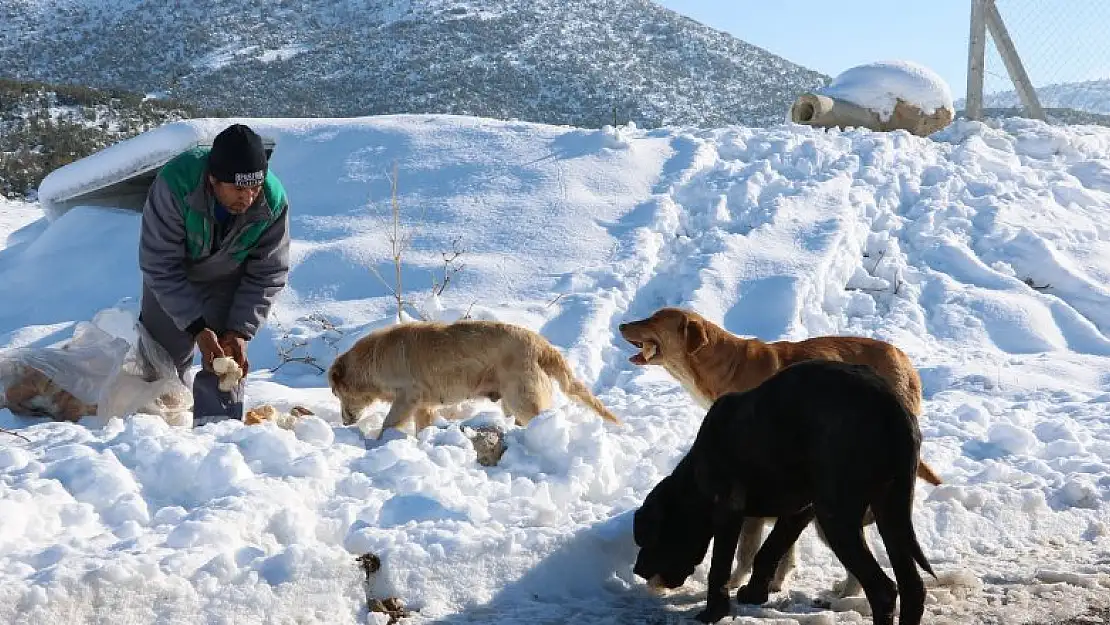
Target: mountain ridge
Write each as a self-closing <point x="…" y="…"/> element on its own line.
<point x="585" y="63"/>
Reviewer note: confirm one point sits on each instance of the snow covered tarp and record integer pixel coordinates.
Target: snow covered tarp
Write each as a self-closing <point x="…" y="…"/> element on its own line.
<point x="120" y="175"/>
<point x="882" y="96"/>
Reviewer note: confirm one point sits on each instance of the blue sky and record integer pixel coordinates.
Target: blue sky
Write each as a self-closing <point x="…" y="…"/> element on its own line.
<point x="830" y="37"/>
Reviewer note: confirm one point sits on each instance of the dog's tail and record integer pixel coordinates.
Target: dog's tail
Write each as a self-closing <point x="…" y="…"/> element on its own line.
<point x="553" y="364"/>
<point x="895" y="518"/>
<point x="918" y="553"/>
<point x="893" y="512"/>
<point x="927" y="473"/>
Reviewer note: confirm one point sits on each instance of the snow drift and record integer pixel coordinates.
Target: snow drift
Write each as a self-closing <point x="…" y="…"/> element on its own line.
<point x="980" y="251"/>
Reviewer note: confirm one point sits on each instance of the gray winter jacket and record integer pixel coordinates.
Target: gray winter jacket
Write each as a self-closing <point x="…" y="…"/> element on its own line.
<point x="185" y="267"/>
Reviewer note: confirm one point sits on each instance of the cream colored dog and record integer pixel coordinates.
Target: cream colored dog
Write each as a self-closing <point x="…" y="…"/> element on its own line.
<point x="709" y="361"/>
<point x="418" y="365"/>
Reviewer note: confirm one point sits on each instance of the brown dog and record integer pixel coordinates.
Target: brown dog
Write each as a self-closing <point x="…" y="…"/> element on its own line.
<point x="709" y="361"/>
<point x="418" y="365"/>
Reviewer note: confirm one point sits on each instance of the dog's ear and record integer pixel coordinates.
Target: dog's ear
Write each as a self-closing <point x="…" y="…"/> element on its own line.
<point x="695" y="336"/>
<point x="337" y="372"/>
<point x="645" y="525"/>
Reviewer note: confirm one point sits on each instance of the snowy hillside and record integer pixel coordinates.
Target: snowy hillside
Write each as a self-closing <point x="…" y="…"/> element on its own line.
<point x="578" y="62"/>
<point x="45" y="126"/>
<point x="982" y="252"/>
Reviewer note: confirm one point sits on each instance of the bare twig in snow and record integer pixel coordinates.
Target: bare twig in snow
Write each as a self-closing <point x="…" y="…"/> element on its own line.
<point x="400" y="241"/>
<point x="469" y="308"/>
<point x="16" y="434"/>
<point x="1030" y="284"/>
<point x="869" y="289"/>
<point x="449" y="266"/>
<point x="287" y="350"/>
<point x="285" y="353"/>
<point x="330" y="334"/>
<point x="877" y="261"/>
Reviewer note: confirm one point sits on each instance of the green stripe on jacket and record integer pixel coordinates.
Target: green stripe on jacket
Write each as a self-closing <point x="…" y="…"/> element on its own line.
<point x="184" y="173"/>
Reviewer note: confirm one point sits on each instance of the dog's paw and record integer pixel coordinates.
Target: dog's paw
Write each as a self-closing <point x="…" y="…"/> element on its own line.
<point x="713" y="612"/>
<point x="348" y="418"/>
<point x="779" y="581"/>
<point x="384" y="436"/>
<point x="752" y="595"/>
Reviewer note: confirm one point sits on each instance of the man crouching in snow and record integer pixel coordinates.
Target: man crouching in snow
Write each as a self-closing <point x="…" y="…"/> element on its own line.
<point x="214" y="252"/>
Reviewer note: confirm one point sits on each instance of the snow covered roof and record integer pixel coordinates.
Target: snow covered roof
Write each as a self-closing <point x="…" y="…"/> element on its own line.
<point x="119" y="175"/>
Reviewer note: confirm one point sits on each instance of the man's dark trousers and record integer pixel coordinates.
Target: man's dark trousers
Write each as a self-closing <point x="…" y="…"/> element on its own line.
<point x="210" y="404"/>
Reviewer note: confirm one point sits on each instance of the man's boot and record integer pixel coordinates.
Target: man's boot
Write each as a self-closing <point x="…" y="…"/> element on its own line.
<point x="210" y="404"/>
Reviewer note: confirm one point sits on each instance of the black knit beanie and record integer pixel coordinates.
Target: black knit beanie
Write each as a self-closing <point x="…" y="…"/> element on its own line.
<point x="238" y="156"/>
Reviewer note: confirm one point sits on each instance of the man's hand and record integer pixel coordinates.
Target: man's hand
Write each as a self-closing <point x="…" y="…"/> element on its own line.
<point x="235" y="346"/>
<point x="209" y="346"/>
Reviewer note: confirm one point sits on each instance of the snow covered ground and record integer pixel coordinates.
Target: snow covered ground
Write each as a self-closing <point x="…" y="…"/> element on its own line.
<point x="983" y="252"/>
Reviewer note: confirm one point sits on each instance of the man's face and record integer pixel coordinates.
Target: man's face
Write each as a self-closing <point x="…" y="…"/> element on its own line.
<point x="234" y="198"/>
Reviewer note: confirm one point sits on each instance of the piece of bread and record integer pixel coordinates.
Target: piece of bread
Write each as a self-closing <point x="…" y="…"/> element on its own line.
<point x="266" y="412"/>
<point x="228" y="371"/>
<point x="30" y="393"/>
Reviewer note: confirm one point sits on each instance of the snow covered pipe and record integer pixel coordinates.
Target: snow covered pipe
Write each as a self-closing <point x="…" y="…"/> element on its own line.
<point x="821" y="110"/>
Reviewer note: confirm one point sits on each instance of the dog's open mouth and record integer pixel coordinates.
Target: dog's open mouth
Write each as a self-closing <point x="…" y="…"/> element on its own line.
<point x="648" y="350"/>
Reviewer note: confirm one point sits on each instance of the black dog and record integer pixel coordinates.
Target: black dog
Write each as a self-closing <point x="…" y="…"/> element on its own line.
<point x="818" y="439"/>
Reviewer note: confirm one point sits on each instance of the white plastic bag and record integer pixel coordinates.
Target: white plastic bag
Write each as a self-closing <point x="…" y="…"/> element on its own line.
<point x="111" y="367"/>
<point x="61" y="382"/>
<point x="147" y="382"/>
